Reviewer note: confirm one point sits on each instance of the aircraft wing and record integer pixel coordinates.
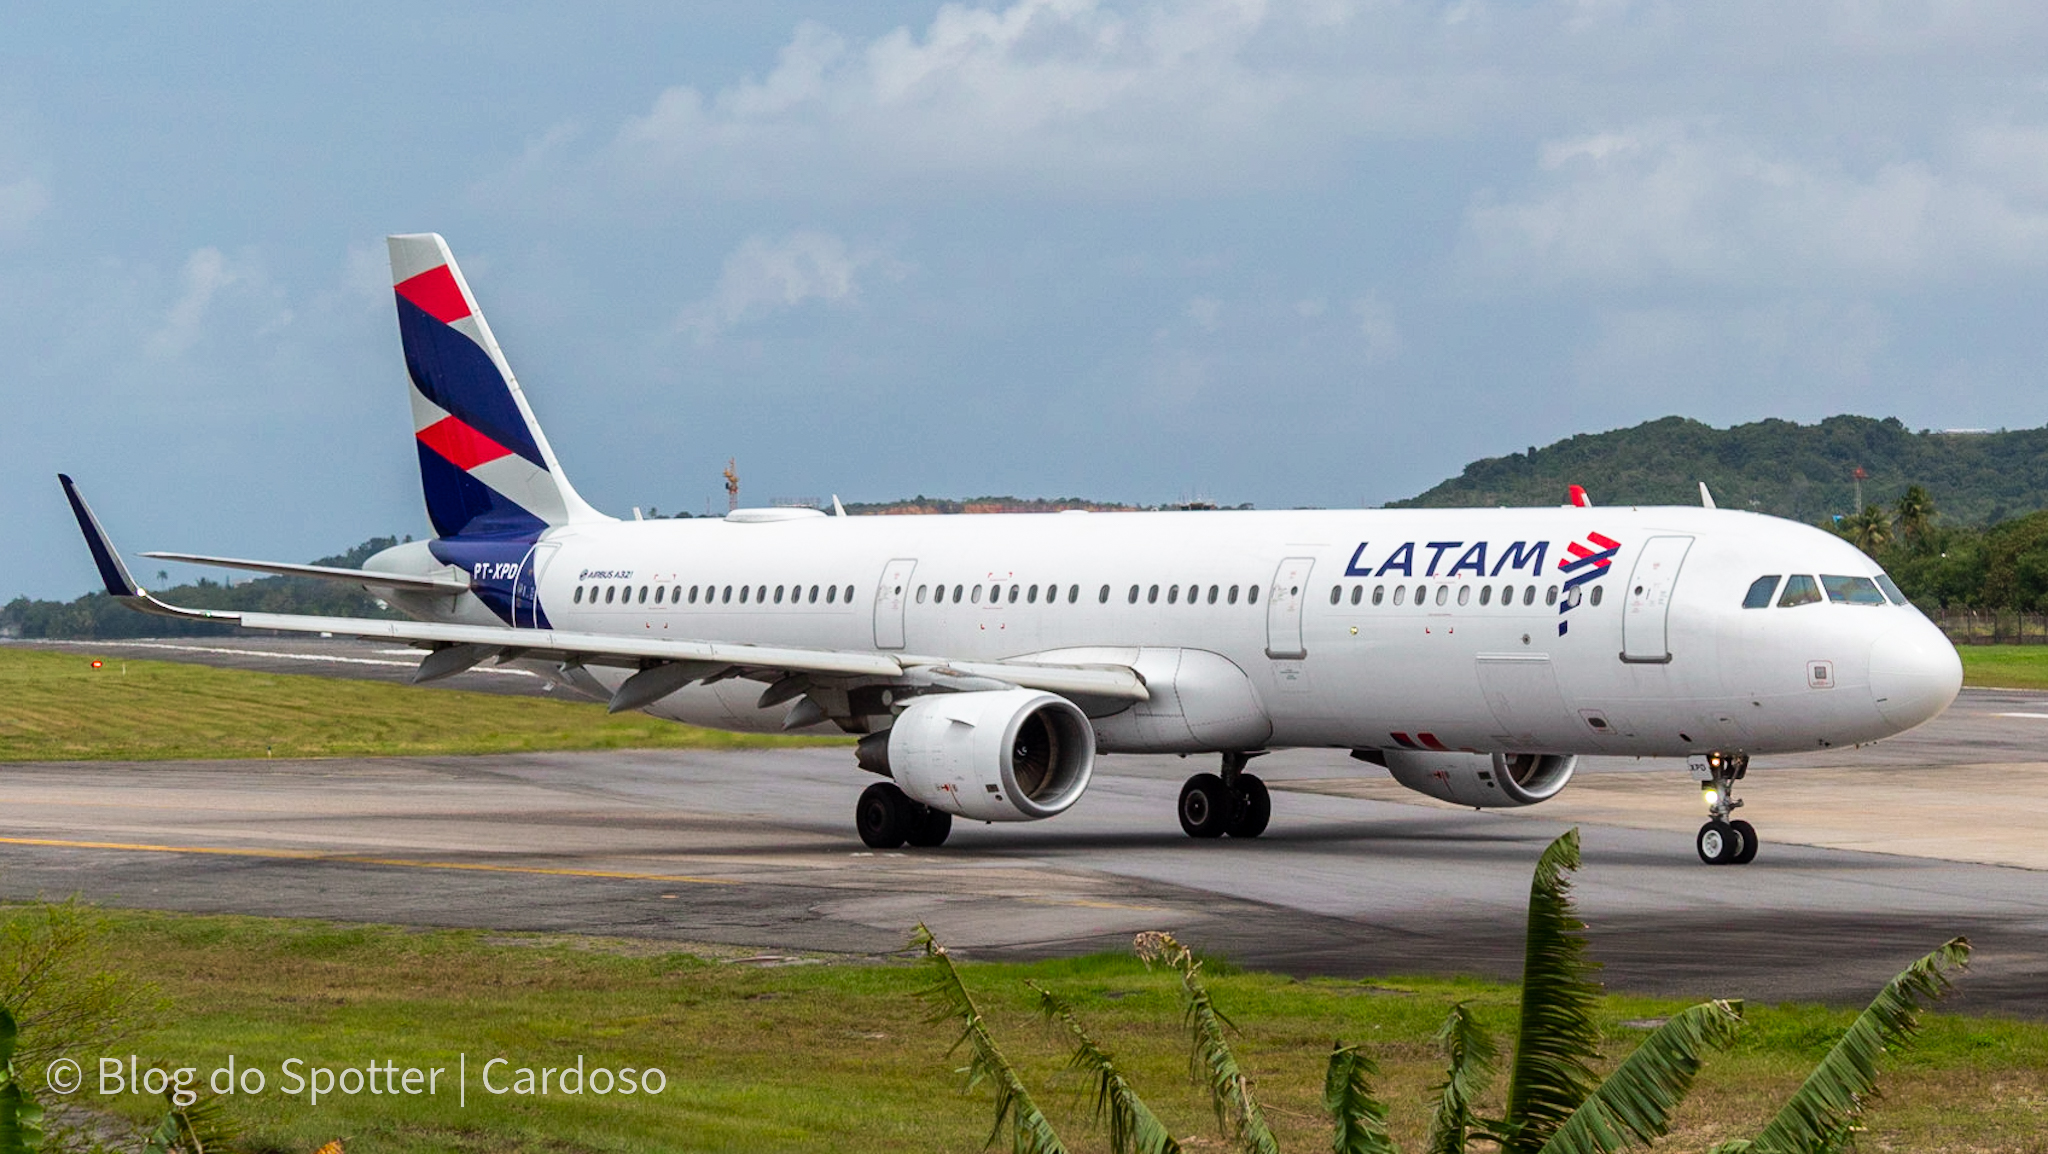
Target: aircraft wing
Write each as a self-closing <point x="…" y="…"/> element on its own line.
<point x="370" y="577"/>
<point x="664" y="665"/>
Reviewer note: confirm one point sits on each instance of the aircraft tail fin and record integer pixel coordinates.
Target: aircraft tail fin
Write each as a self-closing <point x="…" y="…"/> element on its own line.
<point x="485" y="464"/>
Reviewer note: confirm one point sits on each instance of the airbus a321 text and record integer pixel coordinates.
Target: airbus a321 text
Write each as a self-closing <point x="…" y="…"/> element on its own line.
<point x="985" y="661"/>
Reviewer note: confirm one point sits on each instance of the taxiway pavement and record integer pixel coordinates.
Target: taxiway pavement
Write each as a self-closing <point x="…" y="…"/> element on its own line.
<point x="1870" y="858"/>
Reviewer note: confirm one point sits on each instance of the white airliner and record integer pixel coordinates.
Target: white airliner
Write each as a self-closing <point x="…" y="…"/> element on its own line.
<point x="1476" y="654"/>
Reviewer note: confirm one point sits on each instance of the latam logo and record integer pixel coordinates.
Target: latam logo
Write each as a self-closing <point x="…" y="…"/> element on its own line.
<point x="1585" y="563"/>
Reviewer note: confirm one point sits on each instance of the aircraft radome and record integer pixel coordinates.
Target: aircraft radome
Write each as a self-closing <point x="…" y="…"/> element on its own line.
<point x="986" y="660"/>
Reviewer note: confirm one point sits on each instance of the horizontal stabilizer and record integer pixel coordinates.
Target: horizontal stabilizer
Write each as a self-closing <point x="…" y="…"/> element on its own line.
<point x="382" y="580"/>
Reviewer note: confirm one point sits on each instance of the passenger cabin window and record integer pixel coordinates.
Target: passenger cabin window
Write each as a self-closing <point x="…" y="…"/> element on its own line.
<point x="1251" y="594"/>
<point x="1760" y="590"/>
<point x="1379" y="593"/>
<point x="1486" y="594"/>
<point x="1464" y="594"/>
<point x="1102" y="598"/>
<point x="1336" y="593"/>
<point x="1152" y="595"/>
<point x="849" y="594"/>
<point x="1400" y="594"/>
<point x="1596" y="593"/>
<point x="1799" y="590"/>
<point x="1074" y="593"/>
<point x="578" y="599"/>
<point x="1232" y="595"/>
<point x="725" y="598"/>
<point x="1851" y="590"/>
<point x="920" y="594"/>
<point x="1550" y="595"/>
<point x="610" y="591"/>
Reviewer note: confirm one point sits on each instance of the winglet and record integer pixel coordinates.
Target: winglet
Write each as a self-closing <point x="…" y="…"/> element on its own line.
<point x="1706" y="498"/>
<point x="112" y="572"/>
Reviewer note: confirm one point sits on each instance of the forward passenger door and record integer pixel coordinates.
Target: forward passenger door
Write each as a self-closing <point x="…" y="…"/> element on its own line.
<point x="1284" y="601"/>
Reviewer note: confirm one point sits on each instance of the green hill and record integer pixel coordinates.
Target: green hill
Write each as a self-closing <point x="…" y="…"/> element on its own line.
<point x="1805" y="472"/>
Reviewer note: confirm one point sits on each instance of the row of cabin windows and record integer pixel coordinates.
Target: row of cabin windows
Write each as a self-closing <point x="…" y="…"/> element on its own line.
<point x="708" y="594"/>
<point x="1443" y="595"/>
<point x="1801" y="589"/>
<point x="1030" y="595"/>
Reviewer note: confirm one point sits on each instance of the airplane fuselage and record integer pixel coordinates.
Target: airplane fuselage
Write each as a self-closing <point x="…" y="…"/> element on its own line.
<point x="1604" y="630"/>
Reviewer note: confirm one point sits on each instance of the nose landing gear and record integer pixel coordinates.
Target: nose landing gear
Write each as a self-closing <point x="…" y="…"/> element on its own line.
<point x="1235" y="802"/>
<point x="1721" y="841"/>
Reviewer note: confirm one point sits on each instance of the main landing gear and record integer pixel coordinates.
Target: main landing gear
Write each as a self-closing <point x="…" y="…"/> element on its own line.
<point x="1720" y="841"/>
<point x="887" y="818"/>
<point x="1235" y="802"/>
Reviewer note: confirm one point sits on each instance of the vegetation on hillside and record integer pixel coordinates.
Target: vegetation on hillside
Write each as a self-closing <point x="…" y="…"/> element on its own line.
<point x="1804" y="472"/>
<point x="1941" y="566"/>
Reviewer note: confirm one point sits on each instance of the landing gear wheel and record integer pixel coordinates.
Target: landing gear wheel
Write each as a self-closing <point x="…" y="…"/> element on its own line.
<point x="1205" y="806"/>
<point x="884" y="816"/>
<point x="1254" y="807"/>
<point x="930" y="827"/>
<point x="1747" y="833"/>
<point x="1718" y="843"/>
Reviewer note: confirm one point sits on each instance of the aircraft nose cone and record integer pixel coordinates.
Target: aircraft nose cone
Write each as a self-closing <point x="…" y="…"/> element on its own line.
<point x="1914" y="673"/>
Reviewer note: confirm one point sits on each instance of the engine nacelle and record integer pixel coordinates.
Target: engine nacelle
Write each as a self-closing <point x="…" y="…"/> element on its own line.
<point x="997" y="755"/>
<point x="1482" y="780"/>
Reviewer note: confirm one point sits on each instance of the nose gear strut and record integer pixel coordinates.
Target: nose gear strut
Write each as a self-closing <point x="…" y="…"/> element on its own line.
<point x="1722" y="841"/>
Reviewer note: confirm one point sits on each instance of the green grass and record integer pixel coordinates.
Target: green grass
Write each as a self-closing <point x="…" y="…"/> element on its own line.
<point x="840" y="1056"/>
<point x="58" y="708"/>
<point x="2005" y="666"/>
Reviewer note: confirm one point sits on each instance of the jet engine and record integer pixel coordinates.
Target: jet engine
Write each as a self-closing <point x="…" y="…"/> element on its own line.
<point x="995" y="755"/>
<point x="1481" y="780"/>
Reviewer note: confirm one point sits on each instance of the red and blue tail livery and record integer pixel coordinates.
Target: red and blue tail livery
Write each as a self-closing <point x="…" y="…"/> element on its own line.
<point x="484" y="462"/>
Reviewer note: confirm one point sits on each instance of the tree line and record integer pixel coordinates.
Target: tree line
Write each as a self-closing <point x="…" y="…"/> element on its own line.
<point x="2003" y="566"/>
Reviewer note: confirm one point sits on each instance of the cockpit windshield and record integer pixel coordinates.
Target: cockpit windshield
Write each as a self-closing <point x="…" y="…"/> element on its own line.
<point x="1844" y="590"/>
<point x="1891" y="589"/>
<point x="1799" y="590"/>
<point x="1760" y="590"/>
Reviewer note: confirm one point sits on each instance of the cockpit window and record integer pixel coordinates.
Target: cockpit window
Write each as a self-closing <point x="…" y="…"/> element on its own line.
<point x="1891" y="589"/>
<point x="1760" y="590"/>
<point x="1799" y="590"/>
<point x="1851" y="590"/>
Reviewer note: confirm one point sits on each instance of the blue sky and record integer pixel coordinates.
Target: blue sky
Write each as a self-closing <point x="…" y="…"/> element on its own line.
<point x="1294" y="254"/>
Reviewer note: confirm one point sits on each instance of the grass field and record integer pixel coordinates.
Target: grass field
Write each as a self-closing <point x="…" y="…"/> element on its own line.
<point x="2005" y="666"/>
<point x="56" y="707"/>
<point x="839" y="1055"/>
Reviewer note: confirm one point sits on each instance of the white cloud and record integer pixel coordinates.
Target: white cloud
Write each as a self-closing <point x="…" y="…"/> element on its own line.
<point x="764" y="276"/>
<point x="1053" y="94"/>
<point x="21" y="202"/>
<point x="1205" y="311"/>
<point x="1376" y="324"/>
<point x="206" y="276"/>
<point x="1672" y="200"/>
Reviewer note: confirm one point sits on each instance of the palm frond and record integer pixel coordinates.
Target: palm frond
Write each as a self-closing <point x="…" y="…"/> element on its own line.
<point x="199" y="1127"/>
<point x="1634" y="1105"/>
<point x="21" y="1118"/>
<point x="1030" y="1131"/>
<point x="1558" y="1040"/>
<point x="1211" y="1060"/>
<point x="1818" y="1117"/>
<point x="1360" y="1119"/>
<point x="1132" y="1125"/>
<point x="1472" y="1054"/>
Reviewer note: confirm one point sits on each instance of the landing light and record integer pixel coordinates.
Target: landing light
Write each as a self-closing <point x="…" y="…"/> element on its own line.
<point x="1710" y="796"/>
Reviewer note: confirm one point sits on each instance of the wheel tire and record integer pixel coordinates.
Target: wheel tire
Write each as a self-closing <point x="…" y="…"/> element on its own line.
<point x="1254" y="807"/>
<point x="1747" y="833"/>
<point x="1717" y="843"/>
<point x="883" y="816"/>
<point x="929" y="828"/>
<point x="1205" y="806"/>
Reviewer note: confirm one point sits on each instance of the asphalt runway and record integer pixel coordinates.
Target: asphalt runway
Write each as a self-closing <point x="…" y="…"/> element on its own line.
<point x="1871" y="856"/>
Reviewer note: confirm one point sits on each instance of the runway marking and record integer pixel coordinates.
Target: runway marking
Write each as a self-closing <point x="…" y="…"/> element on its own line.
<point x="2035" y="716"/>
<point x="1092" y="904"/>
<point x="224" y="651"/>
<point x="355" y="859"/>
